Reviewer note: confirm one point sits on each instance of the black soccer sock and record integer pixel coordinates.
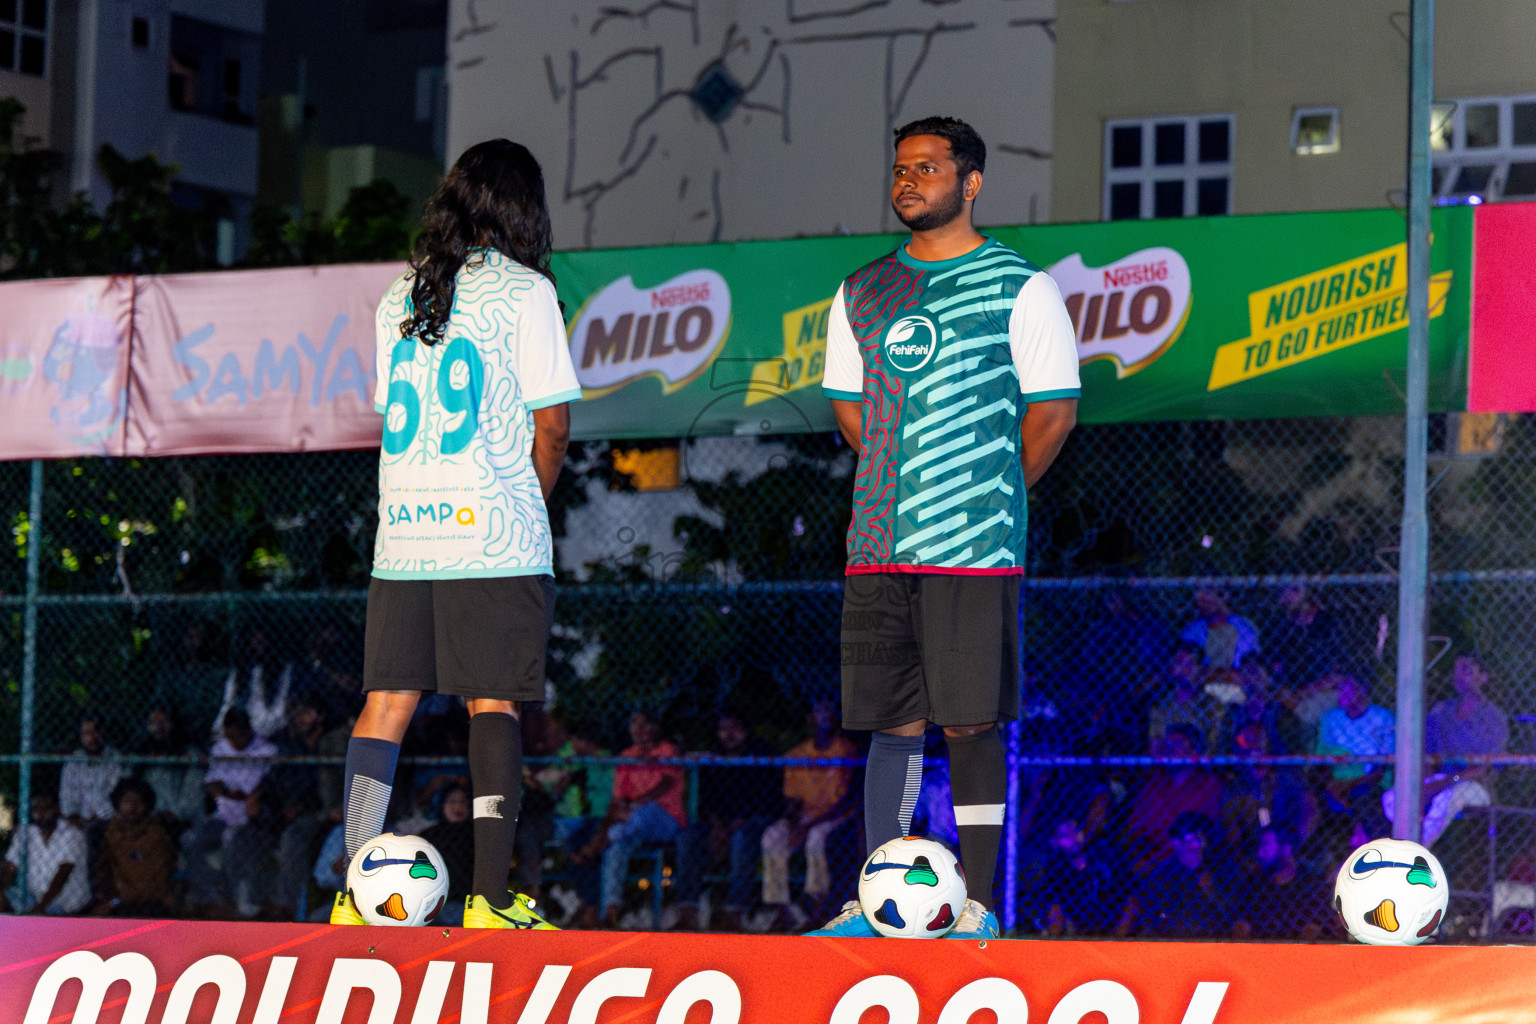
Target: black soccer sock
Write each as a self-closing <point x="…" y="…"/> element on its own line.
<point x="893" y="780"/>
<point x="496" y="779"/>
<point x="978" y="781"/>
<point x="370" y="779"/>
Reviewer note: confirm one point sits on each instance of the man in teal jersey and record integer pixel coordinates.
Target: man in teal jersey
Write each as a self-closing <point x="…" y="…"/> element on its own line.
<point x="952" y="370"/>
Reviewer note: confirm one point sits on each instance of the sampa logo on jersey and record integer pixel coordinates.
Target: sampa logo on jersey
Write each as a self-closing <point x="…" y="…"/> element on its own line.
<point x="910" y="342"/>
<point x="672" y="331"/>
<point x="1129" y="311"/>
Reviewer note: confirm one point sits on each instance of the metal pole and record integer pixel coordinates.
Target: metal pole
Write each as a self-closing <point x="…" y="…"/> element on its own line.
<point x="29" y="665"/>
<point x="1009" y="911"/>
<point x="1414" y="571"/>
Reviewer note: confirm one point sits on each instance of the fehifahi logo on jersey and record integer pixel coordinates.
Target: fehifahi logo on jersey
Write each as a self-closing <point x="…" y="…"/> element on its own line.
<point x="910" y="342"/>
<point x="1129" y="311"/>
<point x="671" y="332"/>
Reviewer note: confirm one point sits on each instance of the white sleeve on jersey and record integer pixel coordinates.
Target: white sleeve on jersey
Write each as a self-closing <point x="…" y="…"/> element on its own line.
<point x="386" y="331"/>
<point x="845" y="367"/>
<point x="1043" y="342"/>
<point x="541" y="357"/>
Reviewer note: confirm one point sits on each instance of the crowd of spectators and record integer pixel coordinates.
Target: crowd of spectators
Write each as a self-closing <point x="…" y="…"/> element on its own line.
<point x="238" y="816"/>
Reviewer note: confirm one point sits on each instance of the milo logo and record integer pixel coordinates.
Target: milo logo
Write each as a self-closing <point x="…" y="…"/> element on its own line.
<point x="1129" y="311"/>
<point x="910" y="342"/>
<point x="672" y="331"/>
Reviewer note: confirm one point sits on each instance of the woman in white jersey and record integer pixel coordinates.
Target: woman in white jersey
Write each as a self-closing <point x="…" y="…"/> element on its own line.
<point x="474" y="374"/>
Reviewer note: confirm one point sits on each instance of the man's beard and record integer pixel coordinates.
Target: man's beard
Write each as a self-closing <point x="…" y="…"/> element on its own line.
<point x="935" y="216"/>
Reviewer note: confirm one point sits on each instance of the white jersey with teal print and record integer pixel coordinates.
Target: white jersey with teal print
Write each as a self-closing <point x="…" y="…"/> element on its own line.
<point x="458" y="495"/>
<point x="945" y="357"/>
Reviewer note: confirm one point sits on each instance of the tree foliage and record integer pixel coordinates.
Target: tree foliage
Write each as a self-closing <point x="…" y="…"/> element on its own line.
<point x="145" y="229"/>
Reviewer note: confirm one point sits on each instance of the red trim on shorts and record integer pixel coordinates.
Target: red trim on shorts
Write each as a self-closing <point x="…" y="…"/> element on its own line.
<point x="933" y="570"/>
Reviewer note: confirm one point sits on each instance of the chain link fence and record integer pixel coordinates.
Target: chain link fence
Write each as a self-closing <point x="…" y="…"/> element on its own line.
<point x="1199" y="596"/>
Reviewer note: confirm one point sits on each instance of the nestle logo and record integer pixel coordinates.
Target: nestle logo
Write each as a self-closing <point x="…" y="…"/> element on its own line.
<point x="1144" y="273"/>
<point x="680" y="295"/>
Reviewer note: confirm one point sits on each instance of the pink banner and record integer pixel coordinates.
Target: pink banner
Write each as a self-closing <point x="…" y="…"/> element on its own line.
<point x="1503" y="310"/>
<point x="64" y="349"/>
<point x="255" y="361"/>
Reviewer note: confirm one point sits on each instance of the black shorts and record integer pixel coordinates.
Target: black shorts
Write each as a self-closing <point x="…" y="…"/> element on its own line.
<point x="932" y="646"/>
<point x="474" y="638"/>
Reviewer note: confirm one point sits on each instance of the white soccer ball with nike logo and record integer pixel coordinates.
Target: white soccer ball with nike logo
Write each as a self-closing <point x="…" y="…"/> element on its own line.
<point x="398" y="879"/>
<point x="912" y="888"/>
<point x="1391" y="892"/>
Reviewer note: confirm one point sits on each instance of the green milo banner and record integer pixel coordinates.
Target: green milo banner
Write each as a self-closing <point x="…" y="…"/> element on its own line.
<point x="1219" y="318"/>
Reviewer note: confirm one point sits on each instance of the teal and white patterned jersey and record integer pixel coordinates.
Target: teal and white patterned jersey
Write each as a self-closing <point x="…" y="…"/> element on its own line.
<point x="945" y="357"/>
<point x="458" y="495"/>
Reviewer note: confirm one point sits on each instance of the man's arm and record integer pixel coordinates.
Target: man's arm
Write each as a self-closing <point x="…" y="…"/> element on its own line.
<point x="60" y="877"/>
<point x="551" y="437"/>
<point x="1045" y="430"/>
<point x="850" y="423"/>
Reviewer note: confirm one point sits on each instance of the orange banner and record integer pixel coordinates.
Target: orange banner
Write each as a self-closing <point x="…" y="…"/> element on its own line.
<point x="93" y="971"/>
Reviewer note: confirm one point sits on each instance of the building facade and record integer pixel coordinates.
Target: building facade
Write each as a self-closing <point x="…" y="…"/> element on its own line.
<point x="176" y="78"/>
<point x="1168" y="108"/>
<point x="716" y="120"/>
<point x="352" y="91"/>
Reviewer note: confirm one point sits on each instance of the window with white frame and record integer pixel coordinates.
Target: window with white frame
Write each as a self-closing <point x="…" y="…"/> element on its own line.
<point x="1484" y="149"/>
<point x="1168" y="167"/>
<point x="24" y="36"/>
<point x="1315" y="130"/>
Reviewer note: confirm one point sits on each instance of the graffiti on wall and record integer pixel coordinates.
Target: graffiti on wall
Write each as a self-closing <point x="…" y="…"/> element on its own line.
<point x="680" y="120"/>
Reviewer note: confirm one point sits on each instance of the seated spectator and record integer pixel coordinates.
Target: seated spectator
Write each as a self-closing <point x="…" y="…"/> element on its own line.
<point x="58" y="875"/>
<point x="647" y="807"/>
<point x="536" y="810"/>
<point x="298" y="798"/>
<point x="1086" y="888"/>
<point x="1262" y="796"/>
<point x="1170" y="792"/>
<point x="454" y="836"/>
<point x="1307" y="705"/>
<point x="1362" y="729"/>
<point x="85" y="787"/>
<point x="237" y="765"/>
<point x="735" y="805"/>
<point x="581" y="793"/>
<point x="1187" y="896"/>
<point x="322" y="675"/>
<point x="817" y="799"/>
<point x="1224" y="637"/>
<point x="177" y="788"/>
<point x="1305" y="642"/>
<point x="1277" y="899"/>
<point x="257" y="685"/>
<point x="133" y="869"/>
<point x="1258" y="706"/>
<point x="1468" y="724"/>
<point x="1184" y="703"/>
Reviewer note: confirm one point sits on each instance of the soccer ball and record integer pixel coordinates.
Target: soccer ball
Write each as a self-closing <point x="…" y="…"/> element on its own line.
<point x="397" y="879"/>
<point x="1391" y="892"/>
<point x="912" y="888"/>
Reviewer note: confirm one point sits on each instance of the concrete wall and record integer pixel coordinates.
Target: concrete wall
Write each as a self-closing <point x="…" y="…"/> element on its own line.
<point x="600" y="92"/>
<point x="1259" y="60"/>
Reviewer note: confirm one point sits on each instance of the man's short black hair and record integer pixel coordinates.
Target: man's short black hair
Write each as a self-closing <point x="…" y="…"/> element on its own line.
<point x="132" y="784"/>
<point x="969" y="151"/>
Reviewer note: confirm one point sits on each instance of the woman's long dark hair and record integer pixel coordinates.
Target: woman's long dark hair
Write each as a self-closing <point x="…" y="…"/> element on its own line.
<point x="493" y="197"/>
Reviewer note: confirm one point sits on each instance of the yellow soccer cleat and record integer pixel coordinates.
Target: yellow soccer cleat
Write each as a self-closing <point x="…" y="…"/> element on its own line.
<point x="478" y="913"/>
<point x="344" y="912"/>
